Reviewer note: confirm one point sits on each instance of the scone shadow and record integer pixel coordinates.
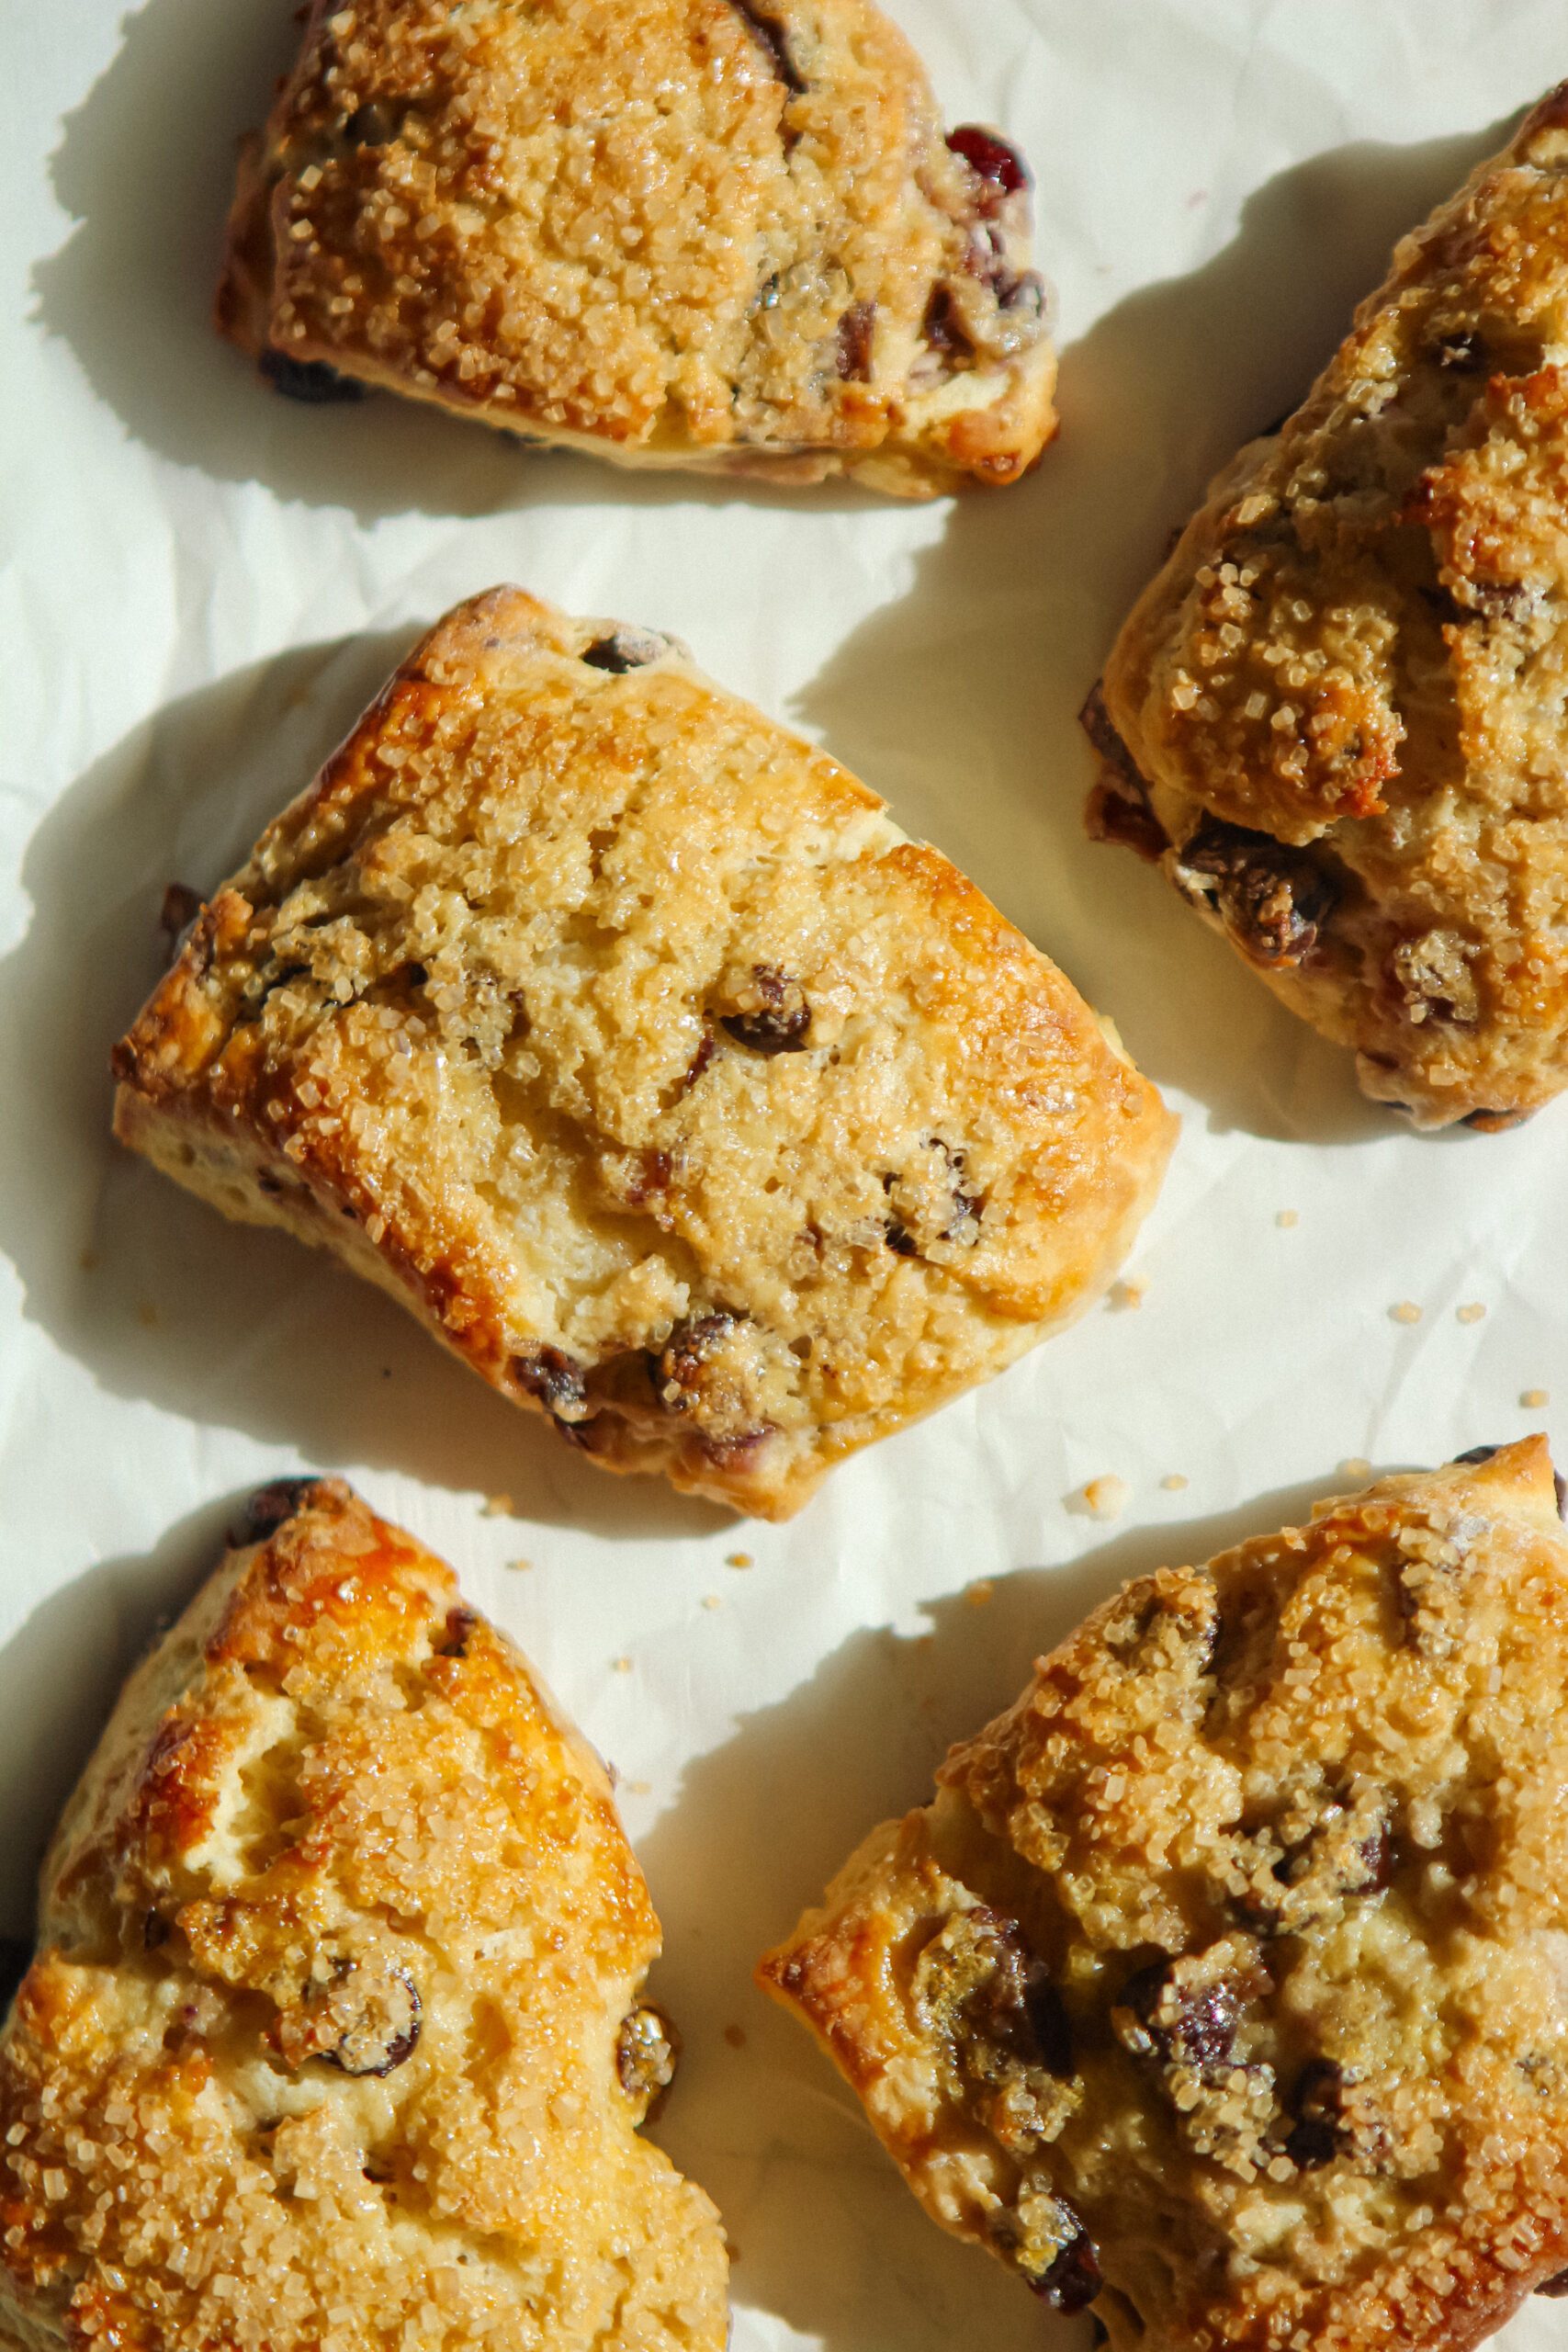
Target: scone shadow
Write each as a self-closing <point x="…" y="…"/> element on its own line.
<point x="146" y="171"/>
<point x="61" y="1674"/>
<point x="161" y="1300"/>
<point x="752" y="1835"/>
<point x="960" y="702"/>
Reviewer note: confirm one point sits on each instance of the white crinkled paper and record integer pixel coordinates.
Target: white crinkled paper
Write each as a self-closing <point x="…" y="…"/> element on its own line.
<point x="201" y="586"/>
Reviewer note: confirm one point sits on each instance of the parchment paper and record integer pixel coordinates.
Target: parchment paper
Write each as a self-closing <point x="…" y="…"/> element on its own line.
<point x="202" y="585"/>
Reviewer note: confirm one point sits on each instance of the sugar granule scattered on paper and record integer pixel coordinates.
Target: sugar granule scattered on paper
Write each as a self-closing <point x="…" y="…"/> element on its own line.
<point x="1125" y="1295"/>
<point x="621" y="1664"/>
<point x="1106" y="1497"/>
<point x="739" y="1560"/>
<point x="1471" y="1313"/>
<point x="1286" y="1217"/>
<point x="1174" y="1481"/>
<point x="711" y="1601"/>
<point x="1534" y="1399"/>
<point x="1405" y="1312"/>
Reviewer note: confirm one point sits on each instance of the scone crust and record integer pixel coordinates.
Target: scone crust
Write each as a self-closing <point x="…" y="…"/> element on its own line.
<point x="694" y="232"/>
<point x="1336" y="714"/>
<point x="619" y="1034"/>
<point x="320" y="2049"/>
<point x="1222" y="1984"/>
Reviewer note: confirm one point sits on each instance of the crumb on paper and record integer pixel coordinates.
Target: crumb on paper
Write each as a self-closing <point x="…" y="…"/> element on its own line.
<point x="1286" y="1217"/>
<point x="711" y="1601"/>
<point x="1106" y="1497"/>
<point x="1174" y="1482"/>
<point x="519" y="1567"/>
<point x="1128" y="1294"/>
<point x="1471" y="1313"/>
<point x="620" y="1665"/>
<point x="739" y="1560"/>
<point x="640" y="1788"/>
<point x="1355" y="1466"/>
<point x="496" y="1507"/>
<point x="1535" y="1400"/>
<point x="1405" y="1312"/>
<point x="736" y="2036"/>
<point x="978" y="1594"/>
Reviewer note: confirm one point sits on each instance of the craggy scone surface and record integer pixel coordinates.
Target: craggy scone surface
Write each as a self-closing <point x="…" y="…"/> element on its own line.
<point x="1340" y="705"/>
<point x="622" y="1035"/>
<point x="694" y="231"/>
<point x="1225" y="1985"/>
<point x="331" y="2042"/>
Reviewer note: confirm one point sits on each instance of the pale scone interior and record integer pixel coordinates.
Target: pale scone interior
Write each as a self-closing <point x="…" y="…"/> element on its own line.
<point x="1222" y="1987"/>
<point x="694" y="233"/>
<point x="333" y="2038"/>
<point x="624" y="1037"/>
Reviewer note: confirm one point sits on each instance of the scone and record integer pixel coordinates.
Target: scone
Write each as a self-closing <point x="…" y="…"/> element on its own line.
<point x="618" y="1033"/>
<point x="1335" y="717"/>
<point x="677" y="232"/>
<point x="1225" y="1984"/>
<point x="332" y="2041"/>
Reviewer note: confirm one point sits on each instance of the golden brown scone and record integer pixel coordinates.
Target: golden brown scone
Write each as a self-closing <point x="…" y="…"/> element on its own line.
<point x="1335" y="717"/>
<point x="620" y="1034"/>
<point x="332" y="2039"/>
<point x="707" y="233"/>
<point x="1225" y="1984"/>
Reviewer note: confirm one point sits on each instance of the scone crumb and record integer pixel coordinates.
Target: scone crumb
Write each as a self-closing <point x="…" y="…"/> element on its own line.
<point x="1405" y="1312"/>
<point x="1355" y="1466"/>
<point x="1174" y="1482"/>
<point x="519" y="1566"/>
<point x="640" y="1788"/>
<point x="739" y="1560"/>
<point x="1125" y="1294"/>
<point x="1286" y="1217"/>
<point x="711" y="1601"/>
<point x="620" y="1665"/>
<point x="1471" y="1313"/>
<point x="496" y="1507"/>
<point x="1534" y="1400"/>
<point x="979" y="1594"/>
<point x="1106" y="1497"/>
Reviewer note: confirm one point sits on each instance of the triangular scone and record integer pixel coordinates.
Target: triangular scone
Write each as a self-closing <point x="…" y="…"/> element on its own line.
<point x="332" y="2039"/>
<point x="620" y="1034"/>
<point x="1223" y="1985"/>
<point x="689" y="232"/>
<point x="1336" y="715"/>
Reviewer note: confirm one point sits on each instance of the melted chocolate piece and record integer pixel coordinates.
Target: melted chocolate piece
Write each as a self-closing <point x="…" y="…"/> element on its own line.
<point x="1556" y="2285"/>
<point x="780" y="1024"/>
<point x="1075" y="2279"/>
<point x="268" y="1508"/>
<point x="625" y="649"/>
<point x="453" y="1641"/>
<point x="1119" y="808"/>
<point x="857" y="330"/>
<point x="1317" y="2103"/>
<point x="553" y="1380"/>
<point x="311" y="381"/>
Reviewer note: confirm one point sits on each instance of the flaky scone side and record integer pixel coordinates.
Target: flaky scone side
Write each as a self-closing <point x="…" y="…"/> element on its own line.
<point x="1335" y="716"/>
<point x="619" y="1034"/>
<point x="1223" y="1985"/>
<point x="677" y="232"/>
<point x="333" y="2039"/>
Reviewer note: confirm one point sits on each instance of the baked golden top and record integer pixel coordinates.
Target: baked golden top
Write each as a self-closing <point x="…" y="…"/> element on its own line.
<point x="693" y="230"/>
<point x="1225" y="1985"/>
<point x="623" y="1035"/>
<point x="1341" y="702"/>
<point x="330" y="2040"/>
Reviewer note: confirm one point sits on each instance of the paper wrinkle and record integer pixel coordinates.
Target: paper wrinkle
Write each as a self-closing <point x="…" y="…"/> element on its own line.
<point x="203" y="585"/>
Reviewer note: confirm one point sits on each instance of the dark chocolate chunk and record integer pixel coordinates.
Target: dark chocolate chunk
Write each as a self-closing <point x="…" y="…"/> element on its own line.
<point x="700" y="1061"/>
<point x="1016" y="2006"/>
<point x="1273" y="899"/>
<point x="311" y="381"/>
<point x="372" y="125"/>
<point x="857" y="331"/>
<point x="941" y="326"/>
<point x="774" y="38"/>
<point x="898" y="1238"/>
<point x="625" y="649"/>
<point x="179" y="910"/>
<point x="453" y="1641"/>
<point x="1477" y="1453"/>
<point x="1074" y="2279"/>
<point x="1181" y="2024"/>
<point x="1317" y="2103"/>
<point x="155" y="1931"/>
<point x="1556" y="2285"/>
